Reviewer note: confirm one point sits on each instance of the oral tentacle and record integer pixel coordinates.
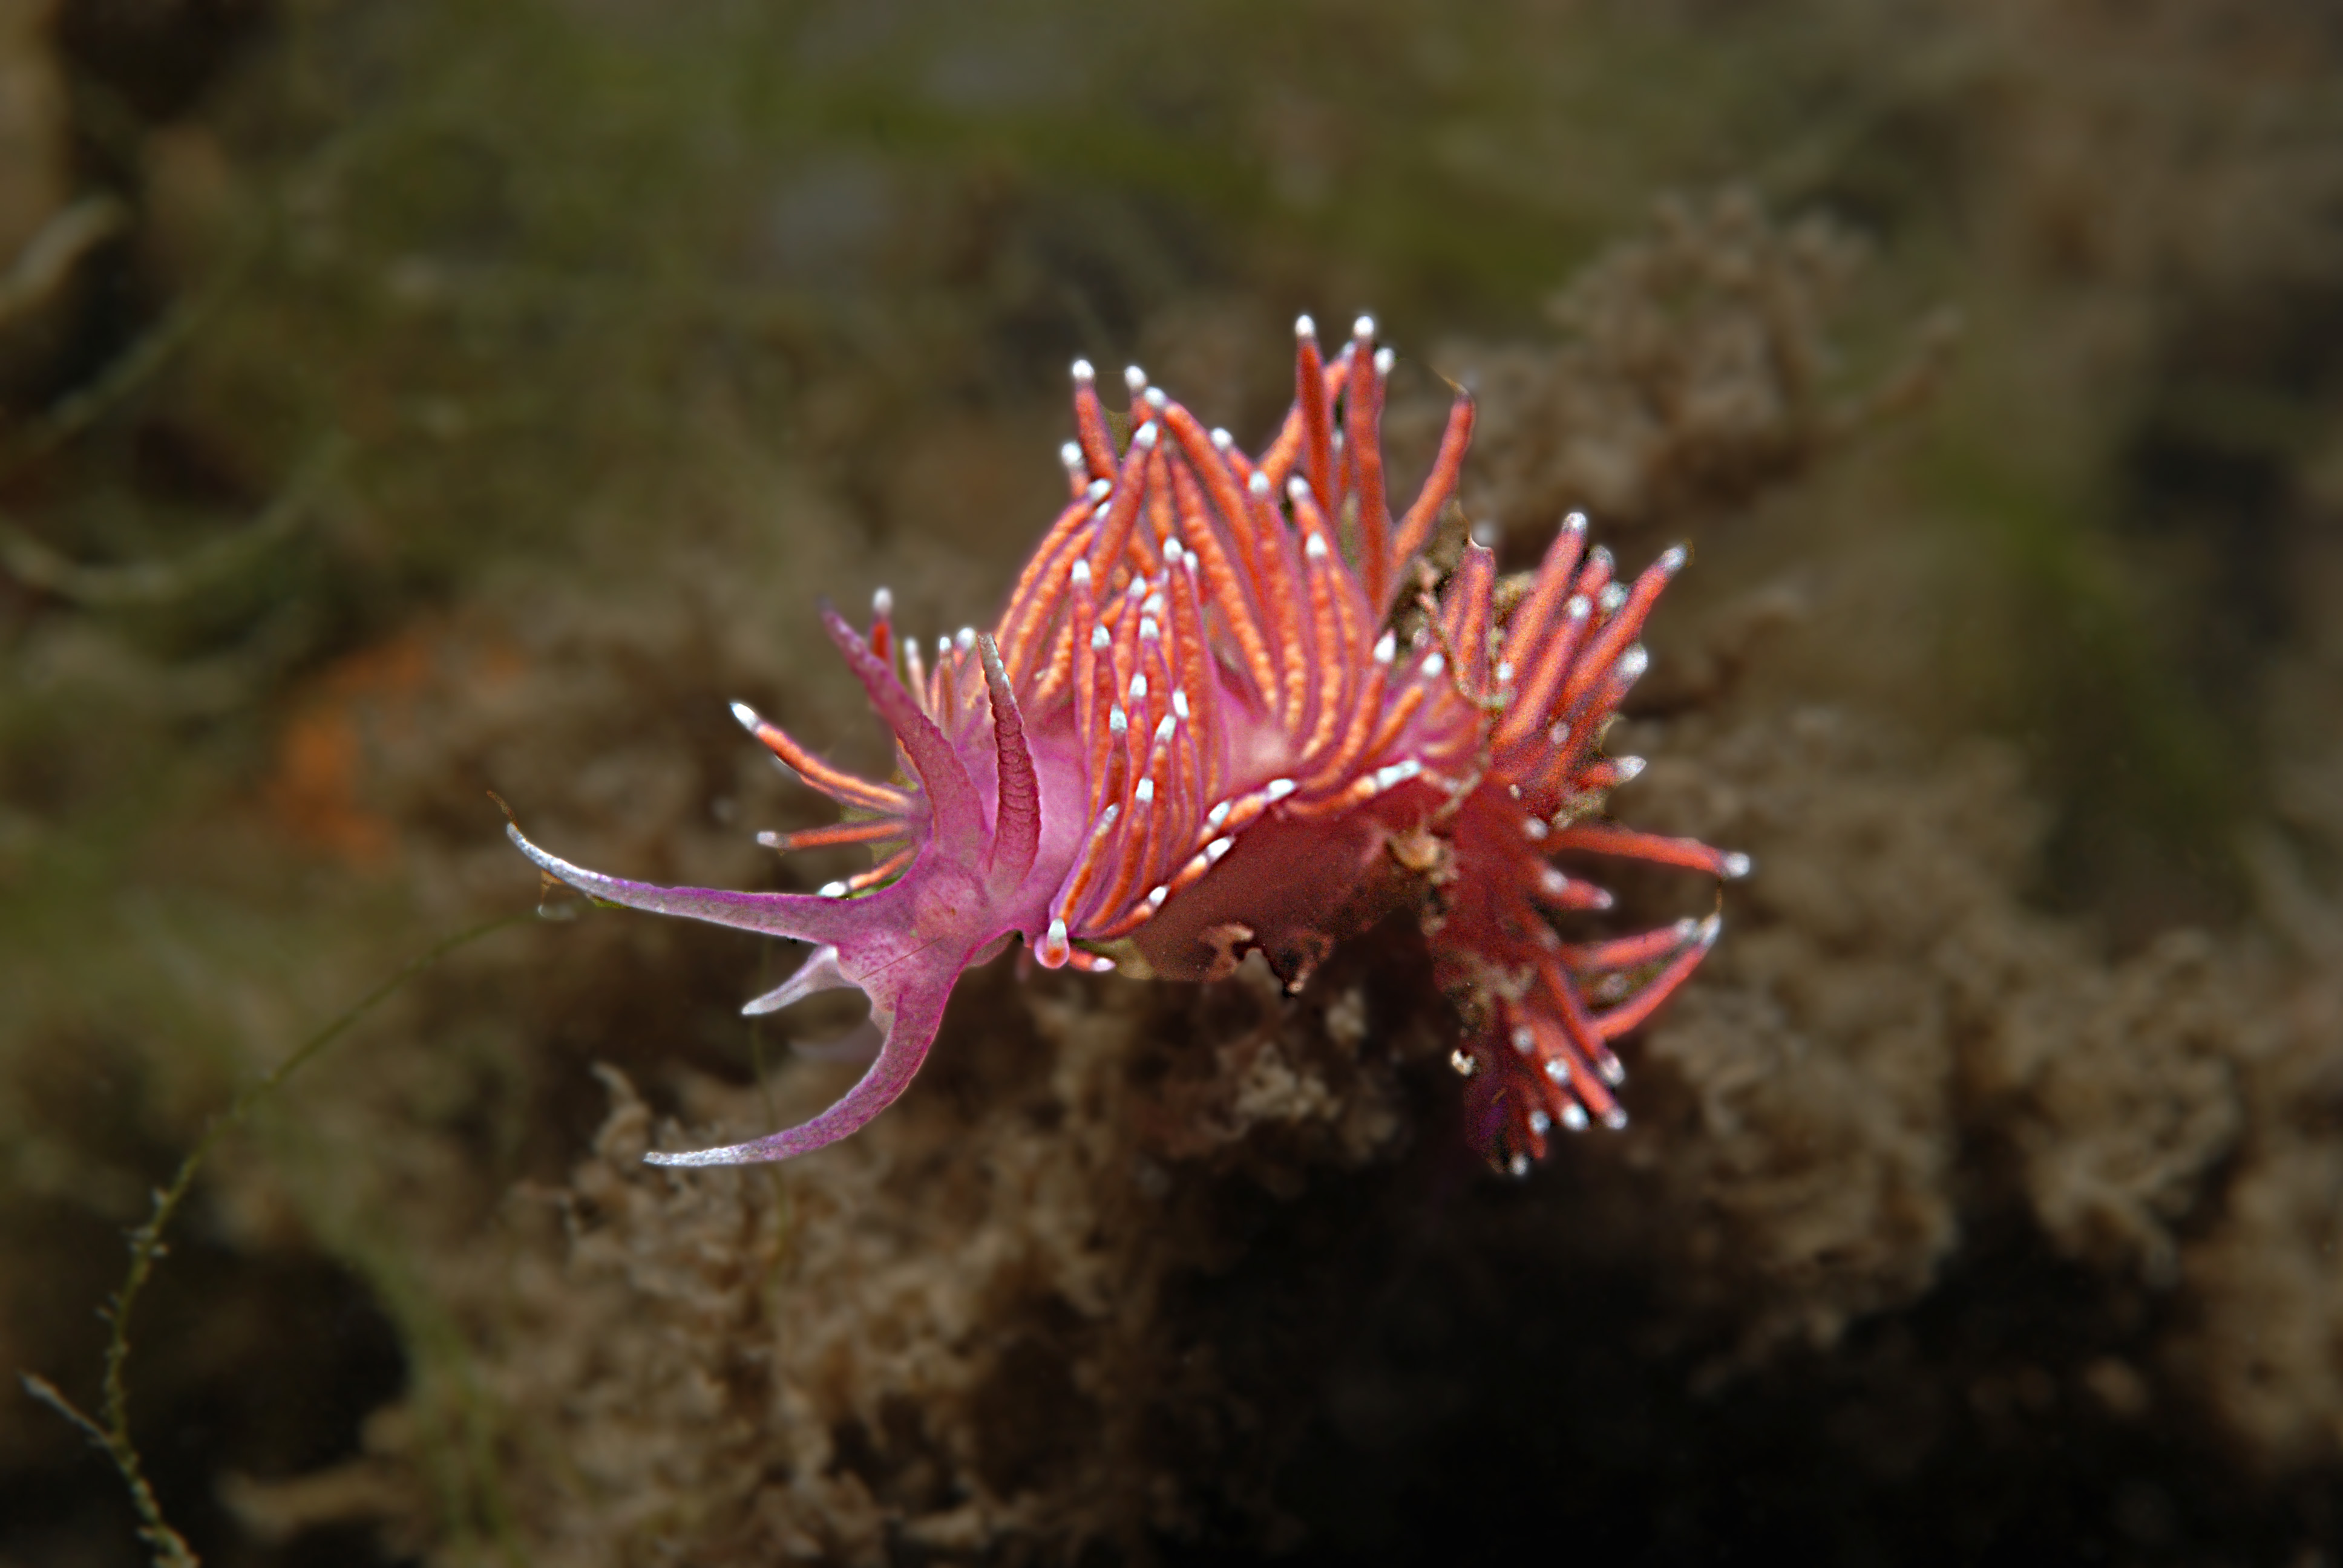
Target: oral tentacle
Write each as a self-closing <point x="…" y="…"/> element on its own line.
<point x="916" y="1013"/>
<point x="805" y="916"/>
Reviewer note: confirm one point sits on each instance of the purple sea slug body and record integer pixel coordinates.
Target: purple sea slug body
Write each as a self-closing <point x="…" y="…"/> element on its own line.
<point x="1194" y="733"/>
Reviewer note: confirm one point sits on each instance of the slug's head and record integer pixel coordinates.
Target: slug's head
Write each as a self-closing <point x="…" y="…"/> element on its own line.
<point x="956" y="889"/>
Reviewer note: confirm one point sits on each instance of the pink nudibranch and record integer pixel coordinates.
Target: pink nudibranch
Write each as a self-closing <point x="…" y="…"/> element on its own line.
<point x="1193" y="733"/>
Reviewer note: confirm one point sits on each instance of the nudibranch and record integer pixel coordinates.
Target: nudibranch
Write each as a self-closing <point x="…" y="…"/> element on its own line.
<point x="1228" y="708"/>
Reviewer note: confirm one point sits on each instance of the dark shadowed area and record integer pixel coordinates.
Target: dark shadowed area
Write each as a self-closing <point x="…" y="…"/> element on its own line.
<point x="406" y="399"/>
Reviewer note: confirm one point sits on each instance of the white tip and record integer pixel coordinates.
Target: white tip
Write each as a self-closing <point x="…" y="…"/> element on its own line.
<point x="1216" y="848"/>
<point x="1155" y="398"/>
<point x="1216" y="816"/>
<point x="943" y="648"/>
<point x="833" y="890"/>
<point x="1116" y="721"/>
<point x="1553" y="883"/>
<point x="1387" y="648"/>
<point x="1575" y="523"/>
<point x="1304" y="327"/>
<point x="1614" y="595"/>
<point x="1518" y="1168"/>
<point x="1070" y="455"/>
<point x="1297" y="488"/>
<point x="1573" y="1116"/>
<point x="1135" y="378"/>
<point x="1397" y="773"/>
<point x="1139" y="687"/>
<point x="1100" y="641"/>
<point x="1145" y="438"/>
<point x="1608" y="1069"/>
<point x="1148" y="630"/>
<point x="1615" y="1119"/>
<point x="1535" y="829"/>
<point x="1082" y="371"/>
<point x="1504" y="672"/>
<point x="1278" y="789"/>
<point x="1222" y="439"/>
<point x="1384" y="360"/>
<point x="1259" y="483"/>
<point x="1709" y="930"/>
<point x="882" y="604"/>
<point x="1672" y="560"/>
<point x="1576" y="607"/>
<point x="747" y="717"/>
<point x="1558" y="734"/>
<point x="965" y="638"/>
<point x="1163" y="731"/>
<point x="1486" y="533"/>
<point x="1179" y="701"/>
<point x="1316" y="549"/>
<point x="1156" y="896"/>
<point x="1600" y="556"/>
<point x="1461" y="1062"/>
<point x="1555" y="1071"/>
<point x="1540" y="1122"/>
<point x="1081" y="575"/>
<point x="1098" y="490"/>
<point x="1524" y="1040"/>
<point x="1628" y="766"/>
<point x="1434" y="663"/>
<point x="1173" y="549"/>
<point x="1364" y="327"/>
<point x="1736" y="866"/>
<point x="1145" y="794"/>
<point x="1634" y="662"/>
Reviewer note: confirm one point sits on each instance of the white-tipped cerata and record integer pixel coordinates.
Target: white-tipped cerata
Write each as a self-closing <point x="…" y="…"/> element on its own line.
<point x="1135" y="378"/>
<point x="1082" y="371"/>
<point x="746" y="717"/>
<point x="1304" y="327"/>
<point x="1736" y="866"/>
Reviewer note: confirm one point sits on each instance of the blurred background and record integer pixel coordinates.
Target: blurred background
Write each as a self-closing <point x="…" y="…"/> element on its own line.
<point x="400" y="401"/>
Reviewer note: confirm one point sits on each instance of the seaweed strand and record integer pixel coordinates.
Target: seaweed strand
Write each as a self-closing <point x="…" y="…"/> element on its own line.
<point x="110" y="1428"/>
